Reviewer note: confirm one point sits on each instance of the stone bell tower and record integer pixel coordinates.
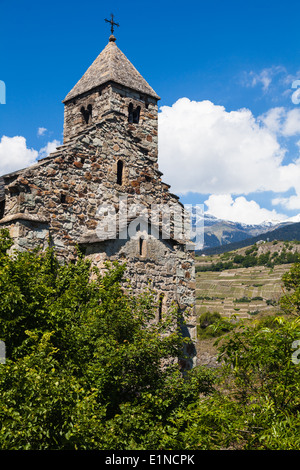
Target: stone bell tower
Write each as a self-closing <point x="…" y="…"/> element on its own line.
<point x="110" y="87"/>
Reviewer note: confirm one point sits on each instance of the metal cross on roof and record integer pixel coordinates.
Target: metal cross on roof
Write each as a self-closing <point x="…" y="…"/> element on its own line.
<point x="111" y="21"/>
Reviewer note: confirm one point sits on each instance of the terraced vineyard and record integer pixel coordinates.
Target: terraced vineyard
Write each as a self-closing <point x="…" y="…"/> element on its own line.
<point x="243" y="292"/>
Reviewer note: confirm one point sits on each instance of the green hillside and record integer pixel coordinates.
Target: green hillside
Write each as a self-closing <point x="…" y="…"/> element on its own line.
<point x="244" y="290"/>
<point x="240" y="292"/>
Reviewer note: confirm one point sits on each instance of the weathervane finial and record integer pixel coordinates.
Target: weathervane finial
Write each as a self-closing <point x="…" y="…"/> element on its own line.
<point x="111" y="21"/>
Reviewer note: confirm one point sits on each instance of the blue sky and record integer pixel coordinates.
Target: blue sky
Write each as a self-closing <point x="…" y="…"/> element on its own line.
<point x="229" y="126"/>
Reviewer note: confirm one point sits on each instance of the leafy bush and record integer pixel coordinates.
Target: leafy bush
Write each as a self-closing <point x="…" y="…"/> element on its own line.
<point x="212" y="325"/>
<point x="290" y="302"/>
<point x="271" y="302"/>
<point x="242" y="300"/>
<point x="260" y="357"/>
<point x="88" y="368"/>
<point x="84" y="366"/>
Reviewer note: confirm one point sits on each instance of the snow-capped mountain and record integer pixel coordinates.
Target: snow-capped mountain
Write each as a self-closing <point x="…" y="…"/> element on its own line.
<point x="218" y="232"/>
<point x="294" y="220"/>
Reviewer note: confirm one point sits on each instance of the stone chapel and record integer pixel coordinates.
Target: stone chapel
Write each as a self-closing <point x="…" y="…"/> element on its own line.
<point x="107" y="164"/>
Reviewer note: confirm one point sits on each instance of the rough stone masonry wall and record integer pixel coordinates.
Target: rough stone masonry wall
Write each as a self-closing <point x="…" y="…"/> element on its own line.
<point x="165" y="268"/>
<point x="69" y="186"/>
<point x="107" y="99"/>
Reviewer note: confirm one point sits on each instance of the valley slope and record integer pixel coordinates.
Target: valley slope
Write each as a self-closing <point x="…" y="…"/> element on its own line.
<point x="252" y="285"/>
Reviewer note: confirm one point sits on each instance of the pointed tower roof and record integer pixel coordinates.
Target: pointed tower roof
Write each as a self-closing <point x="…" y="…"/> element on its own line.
<point x="111" y="65"/>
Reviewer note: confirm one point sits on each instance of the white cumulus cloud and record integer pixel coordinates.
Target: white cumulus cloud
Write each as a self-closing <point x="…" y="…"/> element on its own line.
<point x="290" y="203"/>
<point x="223" y="206"/>
<point x="15" y="155"/>
<point x="282" y="121"/>
<point x="205" y="149"/>
<point x="49" y="148"/>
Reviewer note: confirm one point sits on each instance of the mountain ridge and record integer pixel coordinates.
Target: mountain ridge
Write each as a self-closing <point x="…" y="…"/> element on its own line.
<point x="220" y="235"/>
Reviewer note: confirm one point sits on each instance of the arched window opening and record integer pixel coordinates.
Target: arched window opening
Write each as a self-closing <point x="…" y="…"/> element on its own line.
<point x="89" y="108"/>
<point x="136" y="115"/>
<point x="2" y="208"/>
<point x="130" y="113"/>
<point x="141" y="246"/>
<point x="133" y="114"/>
<point x="86" y="113"/>
<point x="120" y="167"/>
<point x="160" y="306"/>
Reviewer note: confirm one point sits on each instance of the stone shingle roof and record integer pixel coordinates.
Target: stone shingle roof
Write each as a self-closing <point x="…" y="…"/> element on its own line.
<point x="111" y="65"/>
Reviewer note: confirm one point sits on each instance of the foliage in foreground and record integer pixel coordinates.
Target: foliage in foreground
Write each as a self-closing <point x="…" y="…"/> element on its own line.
<point x="211" y="324"/>
<point x="83" y="358"/>
<point x="83" y="368"/>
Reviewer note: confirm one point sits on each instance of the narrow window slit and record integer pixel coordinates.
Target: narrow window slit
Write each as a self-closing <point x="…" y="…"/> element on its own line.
<point x="120" y="166"/>
<point x="2" y="208"/>
<point x="134" y="114"/>
<point x="160" y="306"/>
<point x="141" y="246"/>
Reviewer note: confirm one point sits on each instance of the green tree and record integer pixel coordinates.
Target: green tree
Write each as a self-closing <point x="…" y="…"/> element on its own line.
<point x="290" y="302"/>
<point x="238" y="259"/>
<point x="249" y="260"/>
<point x="260" y="359"/>
<point x="87" y="365"/>
<point x="265" y="382"/>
